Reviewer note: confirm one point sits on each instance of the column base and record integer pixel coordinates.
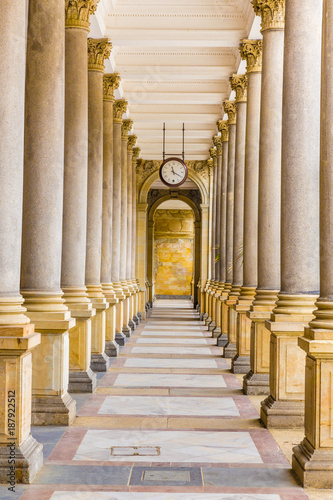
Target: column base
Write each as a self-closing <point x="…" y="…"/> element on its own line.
<point x="208" y="321"/>
<point x="53" y="410"/>
<point x="120" y="338"/>
<point x="127" y="331"/>
<point x="282" y="414"/>
<point x="100" y="362"/>
<point x="136" y="319"/>
<point x="230" y="350"/>
<point x="139" y="315"/>
<point x="222" y="341"/>
<point x="216" y="332"/>
<point x="314" y="468"/>
<point x="240" y="364"/>
<point x="204" y="317"/>
<point x="132" y="325"/>
<point x="211" y="326"/>
<point x="111" y="348"/>
<point x="84" y="381"/>
<point x="28" y="461"/>
<point x="256" y="384"/>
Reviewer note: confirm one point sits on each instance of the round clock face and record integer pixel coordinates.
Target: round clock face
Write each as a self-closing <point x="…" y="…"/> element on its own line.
<point x="173" y="172"/>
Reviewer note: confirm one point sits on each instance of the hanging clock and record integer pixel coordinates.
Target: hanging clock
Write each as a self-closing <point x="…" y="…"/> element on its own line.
<point x="173" y="172"/>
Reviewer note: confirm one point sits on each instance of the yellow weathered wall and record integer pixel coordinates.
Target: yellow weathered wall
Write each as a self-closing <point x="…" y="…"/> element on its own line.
<point x="173" y="251"/>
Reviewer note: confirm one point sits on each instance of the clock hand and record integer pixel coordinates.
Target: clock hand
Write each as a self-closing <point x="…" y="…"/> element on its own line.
<point x="177" y="174"/>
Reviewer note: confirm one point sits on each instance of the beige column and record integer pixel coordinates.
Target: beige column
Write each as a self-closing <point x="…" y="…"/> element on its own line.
<point x="227" y="329"/>
<point x="284" y="407"/>
<point x="251" y="51"/>
<point x="312" y="459"/>
<point x="141" y="254"/>
<point x="257" y="380"/>
<point x="130" y="144"/>
<point x="81" y="377"/>
<point x="211" y="289"/>
<point x="110" y="84"/>
<point x="98" y="51"/>
<point x="206" y="284"/>
<point x="137" y="313"/>
<point x="119" y="108"/>
<point x="239" y="85"/>
<point x="219" y="287"/>
<point x="127" y="290"/>
<point x="17" y="337"/>
<point x="43" y="213"/>
<point x="224" y="129"/>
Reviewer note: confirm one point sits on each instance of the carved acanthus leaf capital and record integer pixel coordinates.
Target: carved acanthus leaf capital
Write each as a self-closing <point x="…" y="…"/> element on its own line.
<point x="136" y="154"/>
<point x="125" y="128"/>
<point x="251" y="52"/>
<point x="213" y="153"/>
<point x="272" y="13"/>
<point x="223" y="127"/>
<point x="230" y="108"/>
<point x="78" y="13"/>
<point x="131" y="141"/>
<point x="238" y="83"/>
<point x="119" y="108"/>
<point x="98" y="51"/>
<point x="218" y="144"/>
<point x="210" y="165"/>
<point x="110" y="84"/>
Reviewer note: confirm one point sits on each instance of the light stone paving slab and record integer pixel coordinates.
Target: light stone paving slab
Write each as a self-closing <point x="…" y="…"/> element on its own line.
<point x="189" y="406"/>
<point x="170" y="327"/>
<point x="168" y="380"/>
<point x="112" y="495"/>
<point x="175" y="446"/>
<point x="173" y="333"/>
<point x="169" y="363"/>
<point x="200" y="351"/>
<point x="174" y="341"/>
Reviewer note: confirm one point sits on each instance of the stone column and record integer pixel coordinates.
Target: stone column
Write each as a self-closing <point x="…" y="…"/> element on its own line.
<point x="43" y="213"/>
<point x="110" y="84"/>
<point x="81" y="377"/>
<point x="130" y="144"/>
<point x="141" y="254"/>
<point x="206" y="284"/>
<point x="17" y="336"/>
<point x="239" y="85"/>
<point x="224" y="129"/>
<point x="257" y="380"/>
<point x="312" y="459"/>
<point x="284" y="407"/>
<point x="127" y="291"/>
<point x="119" y="108"/>
<point x="230" y="348"/>
<point x="219" y="287"/>
<point x="98" y="51"/>
<point x="138" y="314"/>
<point x="211" y="289"/>
<point x="251" y="51"/>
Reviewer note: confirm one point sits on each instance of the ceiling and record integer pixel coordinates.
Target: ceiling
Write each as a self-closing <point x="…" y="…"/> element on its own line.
<point x="175" y="58"/>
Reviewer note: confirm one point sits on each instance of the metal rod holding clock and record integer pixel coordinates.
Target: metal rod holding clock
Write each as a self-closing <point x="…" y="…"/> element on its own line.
<point x="173" y="154"/>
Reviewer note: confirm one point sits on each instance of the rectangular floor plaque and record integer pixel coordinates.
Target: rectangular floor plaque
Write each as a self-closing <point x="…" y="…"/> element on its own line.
<point x="135" y="451"/>
<point x="174" y="475"/>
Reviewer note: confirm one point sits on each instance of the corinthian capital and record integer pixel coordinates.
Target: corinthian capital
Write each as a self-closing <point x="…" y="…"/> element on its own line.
<point x="110" y="84"/>
<point x="210" y="165"/>
<point x="136" y="153"/>
<point x="218" y="144"/>
<point x="131" y="141"/>
<point x="231" y="110"/>
<point x="125" y="128"/>
<point x="251" y="52"/>
<point x="223" y="127"/>
<point x="272" y="13"/>
<point x="98" y="51"/>
<point x="213" y="153"/>
<point x="119" y="108"/>
<point x="238" y="83"/>
<point x="78" y="13"/>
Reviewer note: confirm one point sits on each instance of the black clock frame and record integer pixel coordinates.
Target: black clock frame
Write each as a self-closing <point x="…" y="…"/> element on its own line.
<point x="179" y="161"/>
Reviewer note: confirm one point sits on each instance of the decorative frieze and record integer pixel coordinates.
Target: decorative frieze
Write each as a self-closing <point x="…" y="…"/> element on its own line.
<point x="230" y="108"/>
<point x="272" y="13"/>
<point x="238" y="83"/>
<point x="218" y="144"/>
<point x="251" y="52"/>
<point x="119" y="108"/>
<point x="223" y="127"/>
<point x="200" y="167"/>
<point x="125" y="128"/>
<point x="78" y="13"/>
<point x="98" y="51"/>
<point x="131" y="141"/>
<point x="110" y="84"/>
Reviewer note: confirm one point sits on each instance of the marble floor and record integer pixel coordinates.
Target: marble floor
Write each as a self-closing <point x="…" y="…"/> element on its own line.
<point x="168" y="421"/>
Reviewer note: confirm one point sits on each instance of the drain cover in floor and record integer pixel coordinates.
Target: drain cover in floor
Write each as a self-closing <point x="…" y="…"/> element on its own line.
<point x="172" y="475"/>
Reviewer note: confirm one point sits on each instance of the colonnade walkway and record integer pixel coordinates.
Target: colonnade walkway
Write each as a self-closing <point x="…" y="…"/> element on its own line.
<point x="167" y="421"/>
